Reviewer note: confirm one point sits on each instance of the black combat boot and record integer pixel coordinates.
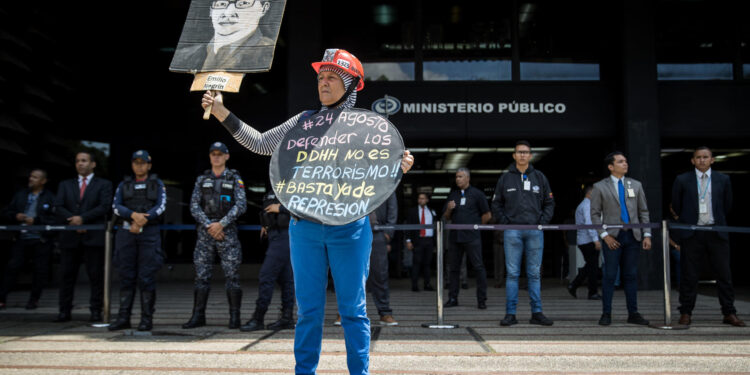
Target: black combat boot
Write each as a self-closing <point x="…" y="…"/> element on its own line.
<point x="285" y="322"/>
<point x="235" y="301"/>
<point x="256" y="323"/>
<point x="199" y="309"/>
<point x="148" y="299"/>
<point x="123" y="316"/>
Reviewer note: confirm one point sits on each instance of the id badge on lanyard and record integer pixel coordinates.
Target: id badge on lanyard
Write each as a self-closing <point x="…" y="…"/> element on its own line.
<point x="526" y="183"/>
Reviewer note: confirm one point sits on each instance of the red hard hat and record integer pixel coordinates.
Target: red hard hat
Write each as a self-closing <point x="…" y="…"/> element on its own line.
<point x="343" y="60"/>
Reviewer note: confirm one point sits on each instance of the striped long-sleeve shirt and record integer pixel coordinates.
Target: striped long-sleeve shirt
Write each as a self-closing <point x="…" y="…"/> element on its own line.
<point x="255" y="141"/>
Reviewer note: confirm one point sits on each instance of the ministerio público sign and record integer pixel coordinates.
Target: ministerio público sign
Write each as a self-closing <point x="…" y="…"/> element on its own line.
<point x="390" y="105"/>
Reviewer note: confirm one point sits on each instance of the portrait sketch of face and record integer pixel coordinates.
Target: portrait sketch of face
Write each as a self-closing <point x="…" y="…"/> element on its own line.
<point x="237" y="17"/>
<point x="229" y="35"/>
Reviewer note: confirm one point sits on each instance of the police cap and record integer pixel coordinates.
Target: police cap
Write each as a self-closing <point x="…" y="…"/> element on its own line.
<point x="219" y="146"/>
<point x="141" y="154"/>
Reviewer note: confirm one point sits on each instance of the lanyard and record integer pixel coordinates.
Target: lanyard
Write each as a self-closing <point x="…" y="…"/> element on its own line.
<point x="702" y="195"/>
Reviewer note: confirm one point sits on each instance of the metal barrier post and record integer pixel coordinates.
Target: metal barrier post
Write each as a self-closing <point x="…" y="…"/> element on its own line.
<point x="667" y="281"/>
<point x="107" y="275"/>
<point x="439" y="288"/>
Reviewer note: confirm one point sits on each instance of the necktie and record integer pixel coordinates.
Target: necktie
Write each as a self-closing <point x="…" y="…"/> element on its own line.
<point x="422" y="232"/>
<point x="624" y="216"/>
<point x="83" y="187"/>
<point x="705" y="198"/>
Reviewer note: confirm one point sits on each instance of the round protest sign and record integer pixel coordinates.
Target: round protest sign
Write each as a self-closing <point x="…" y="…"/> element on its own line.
<point x="337" y="166"/>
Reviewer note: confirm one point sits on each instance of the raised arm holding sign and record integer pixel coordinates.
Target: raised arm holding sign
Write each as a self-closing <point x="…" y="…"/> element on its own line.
<point x="343" y="163"/>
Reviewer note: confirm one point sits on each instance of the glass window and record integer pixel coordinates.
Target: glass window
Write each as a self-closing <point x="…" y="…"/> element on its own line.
<point x="389" y="71"/>
<point x="556" y="71"/>
<point x="466" y="41"/>
<point x="467" y="70"/>
<point x="558" y="40"/>
<point x="695" y="40"/>
<point x="381" y="36"/>
<point x="707" y="71"/>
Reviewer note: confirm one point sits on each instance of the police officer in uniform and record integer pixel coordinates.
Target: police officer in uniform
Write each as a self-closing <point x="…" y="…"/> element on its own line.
<point x="276" y="267"/>
<point x="139" y="202"/>
<point x="218" y="200"/>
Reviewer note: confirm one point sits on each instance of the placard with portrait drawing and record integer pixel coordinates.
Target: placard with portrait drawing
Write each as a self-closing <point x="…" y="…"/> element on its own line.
<point x="229" y="36"/>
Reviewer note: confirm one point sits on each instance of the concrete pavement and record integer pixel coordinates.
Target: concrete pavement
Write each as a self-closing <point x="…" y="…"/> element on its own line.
<point x="575" y="344"/>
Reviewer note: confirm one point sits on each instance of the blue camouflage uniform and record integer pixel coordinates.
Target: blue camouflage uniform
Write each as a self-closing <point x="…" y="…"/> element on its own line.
<point x="218" y="199"/>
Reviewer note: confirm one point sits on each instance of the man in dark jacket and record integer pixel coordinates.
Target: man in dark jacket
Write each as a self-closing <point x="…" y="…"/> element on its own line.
<point x="30" y="206"/>
<point x="467" y="205"/>
<point x="82" y="201"/>
<point x="523" y="196"/>
<point x="703" y="197"/>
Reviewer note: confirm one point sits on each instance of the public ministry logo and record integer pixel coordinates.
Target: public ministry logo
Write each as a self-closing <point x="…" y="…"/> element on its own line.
<point x="388" y="105"/>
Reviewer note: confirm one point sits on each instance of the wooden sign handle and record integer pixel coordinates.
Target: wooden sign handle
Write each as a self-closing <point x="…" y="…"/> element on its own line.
<point x="207" y="112"/>
<point x="216" y="81"/>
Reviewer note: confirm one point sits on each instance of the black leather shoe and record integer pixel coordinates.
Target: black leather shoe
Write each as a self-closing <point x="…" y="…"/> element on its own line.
<point x="636" y="318"/>
<point x="572" y="290"/>
<point x="252" y="325"/>
<point x="465" y="286"/>
<point x="509" y="320"/>
<point x="482" y="305"/>
<point x="414" y="288"/>
<point x="62" y="317"/>
<point x="429" y="288"/>
<point x="605" y="320"/>
<point x="451" y="303"/>
<point x="539" y="318"/>
<point x="595" y="297"/>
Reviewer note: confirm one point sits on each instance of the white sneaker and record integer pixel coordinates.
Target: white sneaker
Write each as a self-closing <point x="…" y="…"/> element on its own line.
<point x="337" y="322"/>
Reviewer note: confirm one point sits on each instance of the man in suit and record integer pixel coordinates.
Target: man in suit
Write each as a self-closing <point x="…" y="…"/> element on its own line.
<point x="82" y="201"/>
<point x="703" y="197"/>
<point x="30" y="206"/>
<point x="421" y="242"/>
<point x="620" y="200"/>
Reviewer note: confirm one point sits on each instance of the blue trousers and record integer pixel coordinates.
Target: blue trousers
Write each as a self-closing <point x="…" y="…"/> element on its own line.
<point x="138" y="257"/>
<point x="346" y="250"/>
<point x="517" y="243"/>
<point x="625" y="259"/>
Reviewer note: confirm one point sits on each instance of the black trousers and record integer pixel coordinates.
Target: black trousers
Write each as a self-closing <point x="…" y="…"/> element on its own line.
<point x="277" y="267"/>
<point x="377" y="282"/>
<point x="473" y="252"/>
<point x="591" y="256"/>
<point x="22" y="250"/>
<point x="694" y="251"/>
<point x="70" y="262"/>
<point x="422" y="260"/>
